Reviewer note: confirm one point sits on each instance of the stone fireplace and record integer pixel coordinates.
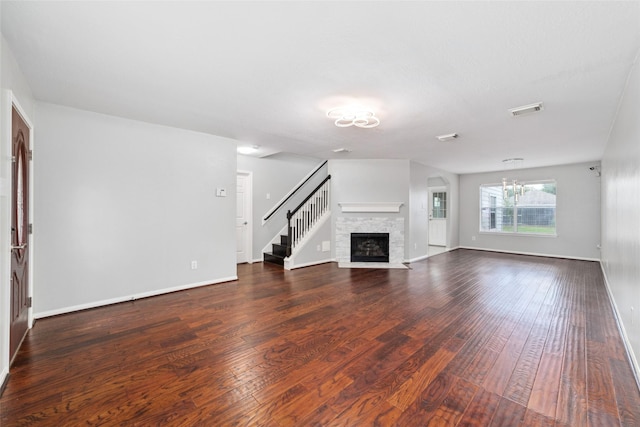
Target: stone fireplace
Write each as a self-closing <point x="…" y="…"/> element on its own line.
<point x="393" y="227"/>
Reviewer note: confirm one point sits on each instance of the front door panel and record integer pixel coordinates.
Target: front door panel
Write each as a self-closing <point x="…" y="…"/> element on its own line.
<point x="19" y="232"/>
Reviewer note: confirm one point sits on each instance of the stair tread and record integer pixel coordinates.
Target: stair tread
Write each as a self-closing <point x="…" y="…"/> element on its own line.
<point x="273" y="258"/>
<point x="275" y="255"/>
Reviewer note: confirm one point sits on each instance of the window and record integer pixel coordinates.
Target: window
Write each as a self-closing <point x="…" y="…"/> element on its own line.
<point x="492" y="212"/>
<point x="440" y="204"/>
<point x="531" y="211"/>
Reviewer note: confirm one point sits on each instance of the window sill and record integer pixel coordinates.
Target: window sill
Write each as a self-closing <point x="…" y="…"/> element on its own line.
<point x="504" y="233"/>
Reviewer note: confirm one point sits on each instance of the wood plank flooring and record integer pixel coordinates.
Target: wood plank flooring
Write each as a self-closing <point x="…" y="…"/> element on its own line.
<point x="464" y="338"/>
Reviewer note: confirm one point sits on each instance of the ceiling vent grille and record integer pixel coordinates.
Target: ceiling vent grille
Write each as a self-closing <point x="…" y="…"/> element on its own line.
<point x="341" y="150"/>
<point x="447" y="137"/>
<point x="526" y="109"/>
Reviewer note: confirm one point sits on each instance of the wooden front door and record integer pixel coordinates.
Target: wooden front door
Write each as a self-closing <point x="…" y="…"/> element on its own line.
<point x="19" y="232"/>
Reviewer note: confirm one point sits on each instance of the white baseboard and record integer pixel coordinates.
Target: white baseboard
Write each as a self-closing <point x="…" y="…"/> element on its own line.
<point x="420" y="258"/>
<point x="133" y="297"/>
<point x="625" y="338"/>
<point x="423" y="257"/>
<point x="3" y="377"/>
<point x="528" y="253"/>
<point x="309" y="264"/>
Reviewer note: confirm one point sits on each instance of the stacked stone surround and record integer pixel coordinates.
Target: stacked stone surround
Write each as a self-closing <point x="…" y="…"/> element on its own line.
<point x="347" y="225"/>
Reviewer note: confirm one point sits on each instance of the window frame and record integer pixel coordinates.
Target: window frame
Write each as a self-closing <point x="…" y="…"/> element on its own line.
<point x="490" y="208"/>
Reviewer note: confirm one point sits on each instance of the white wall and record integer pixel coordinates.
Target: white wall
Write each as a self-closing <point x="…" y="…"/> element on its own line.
<point x="14" y="89"/>
<point x="276" y="175"/>
<point x="123" y="207"/>
<point x="621" y="211"/>
<point x="418" y="238"/>
<point x="577" y="213"/>
<point x="370" y="181"/>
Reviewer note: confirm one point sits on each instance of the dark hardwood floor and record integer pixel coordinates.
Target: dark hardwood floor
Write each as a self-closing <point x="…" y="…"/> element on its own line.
<point x="464" y="338"/>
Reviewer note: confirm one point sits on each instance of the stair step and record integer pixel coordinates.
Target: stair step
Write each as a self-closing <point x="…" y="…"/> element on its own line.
<point x="273" y="258"/>
<point x="284" y="239"/>
<point x="280" y="250"/>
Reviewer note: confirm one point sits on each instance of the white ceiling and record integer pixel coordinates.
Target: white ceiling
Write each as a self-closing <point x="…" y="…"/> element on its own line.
<point x="265" y="72"/>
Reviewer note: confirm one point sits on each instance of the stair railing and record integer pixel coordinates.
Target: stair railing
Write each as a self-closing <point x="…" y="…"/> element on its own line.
<point x="307" y="214"/>
<point x="292" y="193"/>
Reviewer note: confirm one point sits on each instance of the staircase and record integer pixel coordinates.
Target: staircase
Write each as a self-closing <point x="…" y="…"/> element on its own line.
<point x="278" y="252"/>
<point x="300" y="223"/>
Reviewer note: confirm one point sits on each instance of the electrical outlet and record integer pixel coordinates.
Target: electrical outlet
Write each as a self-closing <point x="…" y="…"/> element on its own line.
<point x="318" y="248"/>
<point x="473" y="238"/>
<point x="194" y="265"/>
<point x="268" y="196"/>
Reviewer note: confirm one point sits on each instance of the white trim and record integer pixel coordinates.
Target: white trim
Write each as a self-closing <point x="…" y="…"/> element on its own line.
<point x="423" y="257"/>
<point x="310" y="263"/>
<point x="370" y="207"/>
<point x="633" y="360"/>
<point x="132" y="297"/>
<point x="506" y="233"/>
<point x="4" y="376"/>
<point x="420" y="258"/>
<point x="529" y="253"/>
<point x="5" y="230"/>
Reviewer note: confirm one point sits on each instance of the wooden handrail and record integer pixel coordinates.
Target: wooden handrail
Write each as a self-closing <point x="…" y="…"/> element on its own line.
<point x="291" y="213"/>
<point x="292" y="193"/>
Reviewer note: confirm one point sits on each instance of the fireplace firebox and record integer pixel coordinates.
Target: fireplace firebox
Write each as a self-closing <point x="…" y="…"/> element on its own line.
<point x="369" y="247"/>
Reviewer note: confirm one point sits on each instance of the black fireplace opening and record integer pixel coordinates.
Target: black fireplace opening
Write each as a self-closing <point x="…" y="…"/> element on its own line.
<point x="369" y="247"/>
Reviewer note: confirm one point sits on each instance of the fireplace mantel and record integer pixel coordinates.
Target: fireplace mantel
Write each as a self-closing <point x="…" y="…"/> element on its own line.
<point x="371" y="207"/>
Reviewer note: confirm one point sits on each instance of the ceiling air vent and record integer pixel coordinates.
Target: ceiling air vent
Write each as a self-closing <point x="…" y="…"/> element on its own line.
<point x="447" y="137"/>
<point x="526" y="109"/>
<point x="341" y="150"/>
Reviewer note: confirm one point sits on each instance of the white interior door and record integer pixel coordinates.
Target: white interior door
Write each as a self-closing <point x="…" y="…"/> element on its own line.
<point x="438" y="210"/>
<point x="243" y="218"/>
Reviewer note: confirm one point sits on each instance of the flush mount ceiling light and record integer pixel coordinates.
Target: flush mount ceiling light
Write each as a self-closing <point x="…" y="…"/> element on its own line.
<point x="526" y="109"/>
<point x="447" y="137"/>
<point x="248" y="150"/>
<point x="353" y="116"/>
<point x="341" y="150"/>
